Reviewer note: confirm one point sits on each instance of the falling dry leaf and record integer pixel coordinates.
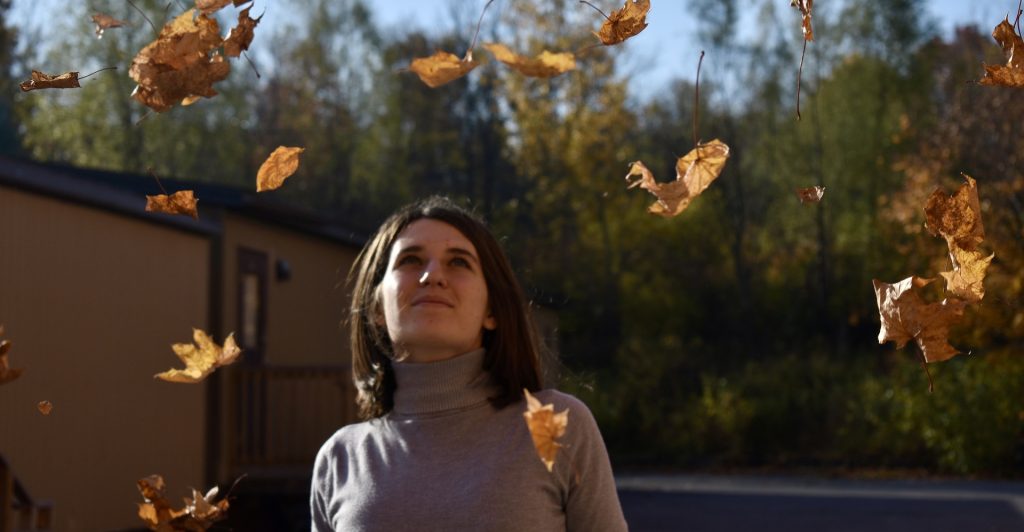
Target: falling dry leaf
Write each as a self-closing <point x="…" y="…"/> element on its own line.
<point x="241" y="35"/>
<point x="810" y="194"/>
<point x="7" y="374"/>
<point x="624" y="23"/>
<point x="694" y="173"/>
<point x="957" y="218"/>
<point x="45" y="407"/>
<point x="905" y="316"/>
<point x="805" y="9"/>
<point x="545" y="426"/>
<point x="199" y="514"/>
<point x="181" y="63"/>
<point x="207" y="7"/>
<point x="442" y="67"/>
<point x="104" y="21"/>
<point x="1011" y="74"/>
<point x="181" y="202"/>
<point x="279" y="166"/>
<point x="545" y="65"/>
<point x="67" y="80"/>
<point x="202" y="358"/>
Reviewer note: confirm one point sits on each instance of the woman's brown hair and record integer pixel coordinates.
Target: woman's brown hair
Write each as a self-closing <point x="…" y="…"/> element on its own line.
<point x="512" y="356"/>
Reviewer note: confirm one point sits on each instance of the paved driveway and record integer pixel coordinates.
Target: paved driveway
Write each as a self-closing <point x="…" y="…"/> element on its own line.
<point x="710" y="503"/>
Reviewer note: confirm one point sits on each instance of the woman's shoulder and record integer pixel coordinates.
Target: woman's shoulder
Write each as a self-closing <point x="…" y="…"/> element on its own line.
<point x="343" y="440"/>
<point x="579" y="414"/>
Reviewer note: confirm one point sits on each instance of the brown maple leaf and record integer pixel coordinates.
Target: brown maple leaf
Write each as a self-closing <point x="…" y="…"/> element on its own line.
<point x="624" y="23"/>
<point x="202" y="358"/>
<point x="545" y="427"/>
<point x="199" y="514"/>
<point x="281" y="164"/>
<point x="442" y="67"/>
<point x="45" y="407"/>
<point x="1012" y="73"/>
<point x="905" y="316"/>
<point x="810" y="194"/>
<point x="545" y="65"/>
<point x="957" y="218"/>
<point x="805" y="9"/>
<point x="39" y="80"/>
<point x="104" y="21"/>
<point x="181" y="63"/>
<point x="694" y="173"/>
<point x="181" y="202"/>
<point x="241" y="35"/>
<point x="7" y="374"/>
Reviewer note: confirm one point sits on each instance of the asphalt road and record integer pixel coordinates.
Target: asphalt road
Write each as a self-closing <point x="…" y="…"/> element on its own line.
<point x="707" y="503"/>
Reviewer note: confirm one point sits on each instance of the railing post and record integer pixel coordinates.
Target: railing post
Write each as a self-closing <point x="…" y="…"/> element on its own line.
<point x="6" y="497"/>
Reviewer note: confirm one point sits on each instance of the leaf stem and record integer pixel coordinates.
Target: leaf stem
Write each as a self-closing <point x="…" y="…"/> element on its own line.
<point x="156" y="31"/>
<point x="253" y="65"/>
<point x="596" y="9"/>
<point x="153" y="173"/>
<point x="696" y="99"/>
<point x="924" y="366"/>
<point x="100" y="70"/>
<point x="799" y="75"/>
<point x="1016" y="21"/>
<point x="477" y="32"/>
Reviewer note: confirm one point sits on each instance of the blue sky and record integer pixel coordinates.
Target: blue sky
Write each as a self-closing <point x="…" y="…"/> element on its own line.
<point x="663" y="51"/>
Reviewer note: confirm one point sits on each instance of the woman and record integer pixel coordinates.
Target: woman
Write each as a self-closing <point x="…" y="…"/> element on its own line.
<point x="442" y="349"/>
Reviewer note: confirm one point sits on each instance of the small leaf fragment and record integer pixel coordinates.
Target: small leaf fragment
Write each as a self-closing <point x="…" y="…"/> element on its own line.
<point x="442" y="68"/>
<point x="905" y="316"/>
<point x="805" y="7"/>
<point x="240" y="37"/>
<point x="201" y="359"/>
<point x="281" y="164"/>
<point x="545" y="427"/>
<point x="7" y="373"/>
<point x="810" y="194"/>
<point x="104" y="21"/>
<point x="545" y="65"/>
<point x="39" y="80"/>
<point x="45" y="407"/>
<point x="624" y="23"/>
<point x="181" y="202"/>
<point x="694" y="173"/>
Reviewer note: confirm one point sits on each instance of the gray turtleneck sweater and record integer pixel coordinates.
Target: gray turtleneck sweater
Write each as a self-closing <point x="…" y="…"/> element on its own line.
<point x="445" y="459"/>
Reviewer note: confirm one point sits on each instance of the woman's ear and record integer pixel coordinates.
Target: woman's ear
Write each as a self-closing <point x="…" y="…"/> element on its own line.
<point x="376" y="311"/>
<point x="490" y="323"/>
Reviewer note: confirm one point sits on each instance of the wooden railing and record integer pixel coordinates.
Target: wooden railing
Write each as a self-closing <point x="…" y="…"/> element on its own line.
<point x="284" y="414"/>
<point x="18" y="512"/>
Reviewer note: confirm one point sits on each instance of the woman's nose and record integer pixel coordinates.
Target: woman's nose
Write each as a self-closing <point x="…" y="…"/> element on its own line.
<point x="433" y="273"/>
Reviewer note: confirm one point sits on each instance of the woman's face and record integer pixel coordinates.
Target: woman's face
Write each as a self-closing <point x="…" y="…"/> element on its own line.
<point x="433" y="293"/>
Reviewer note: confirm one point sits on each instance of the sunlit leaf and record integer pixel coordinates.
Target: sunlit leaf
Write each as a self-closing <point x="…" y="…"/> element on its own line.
<point x="624" y="23"/>
<point x="201" y="358"/>
<point x="694" y="173"/>
<point x="810" y="194"/>
<point x="181" y="202"/>
<point x="1012" y="73"/>
<point x="545" y="427"/>
<point x="805" y="7"/>
<point x="442" y="67"/>
<point x="104" y="21"/>
<point x="905" y="316"/>
<point x="45" y="407"/>
<point x="545" y="65"/>
<point x="281" y="164"/>
<point x="241" y="35"/>
<point x="7" y="373"/>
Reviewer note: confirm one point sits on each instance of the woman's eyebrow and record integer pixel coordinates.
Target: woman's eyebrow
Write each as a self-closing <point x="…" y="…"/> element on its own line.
<point x="463" y="252"/>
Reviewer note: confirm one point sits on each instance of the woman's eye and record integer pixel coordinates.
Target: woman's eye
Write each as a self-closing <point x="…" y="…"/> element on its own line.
<point x="461" y="262"/>
<point x="408" y="259"/>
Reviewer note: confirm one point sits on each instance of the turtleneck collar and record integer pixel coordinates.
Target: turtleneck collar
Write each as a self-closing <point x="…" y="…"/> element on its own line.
<point x="458" y="382"/>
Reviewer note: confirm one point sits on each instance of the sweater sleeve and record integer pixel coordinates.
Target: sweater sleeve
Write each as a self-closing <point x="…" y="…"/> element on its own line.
<point x="320" y="520"/>
<point x="592" y="503"/>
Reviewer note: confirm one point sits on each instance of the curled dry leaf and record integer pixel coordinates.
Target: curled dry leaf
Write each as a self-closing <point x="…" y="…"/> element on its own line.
<point x="694" y="173"/>
<point x="279" y="166"/>
<point x="199" y="513"/>
<point x="181" y="202"/>
<point x="957" y="218"/>
<point x="104" y="21"/>
<point x="181" y="63"/>
<point x="810" y="194"/>
<point x="39" y="80"/>
<point x="805" y="9"/>
<point x="202" y="358"/>
<point x="545" y="65"/>
<point x="7" y="373"/>
<point x="1012" y="73"/>
<point x="545" y="427"/>
<point x="442" y="67"/>
<point x="45" y="407"/>
<point x="241" y="35"/>
<point x="905" y="316"/>
<point x="624" y="23"/>
<point x="208" y="7"/>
